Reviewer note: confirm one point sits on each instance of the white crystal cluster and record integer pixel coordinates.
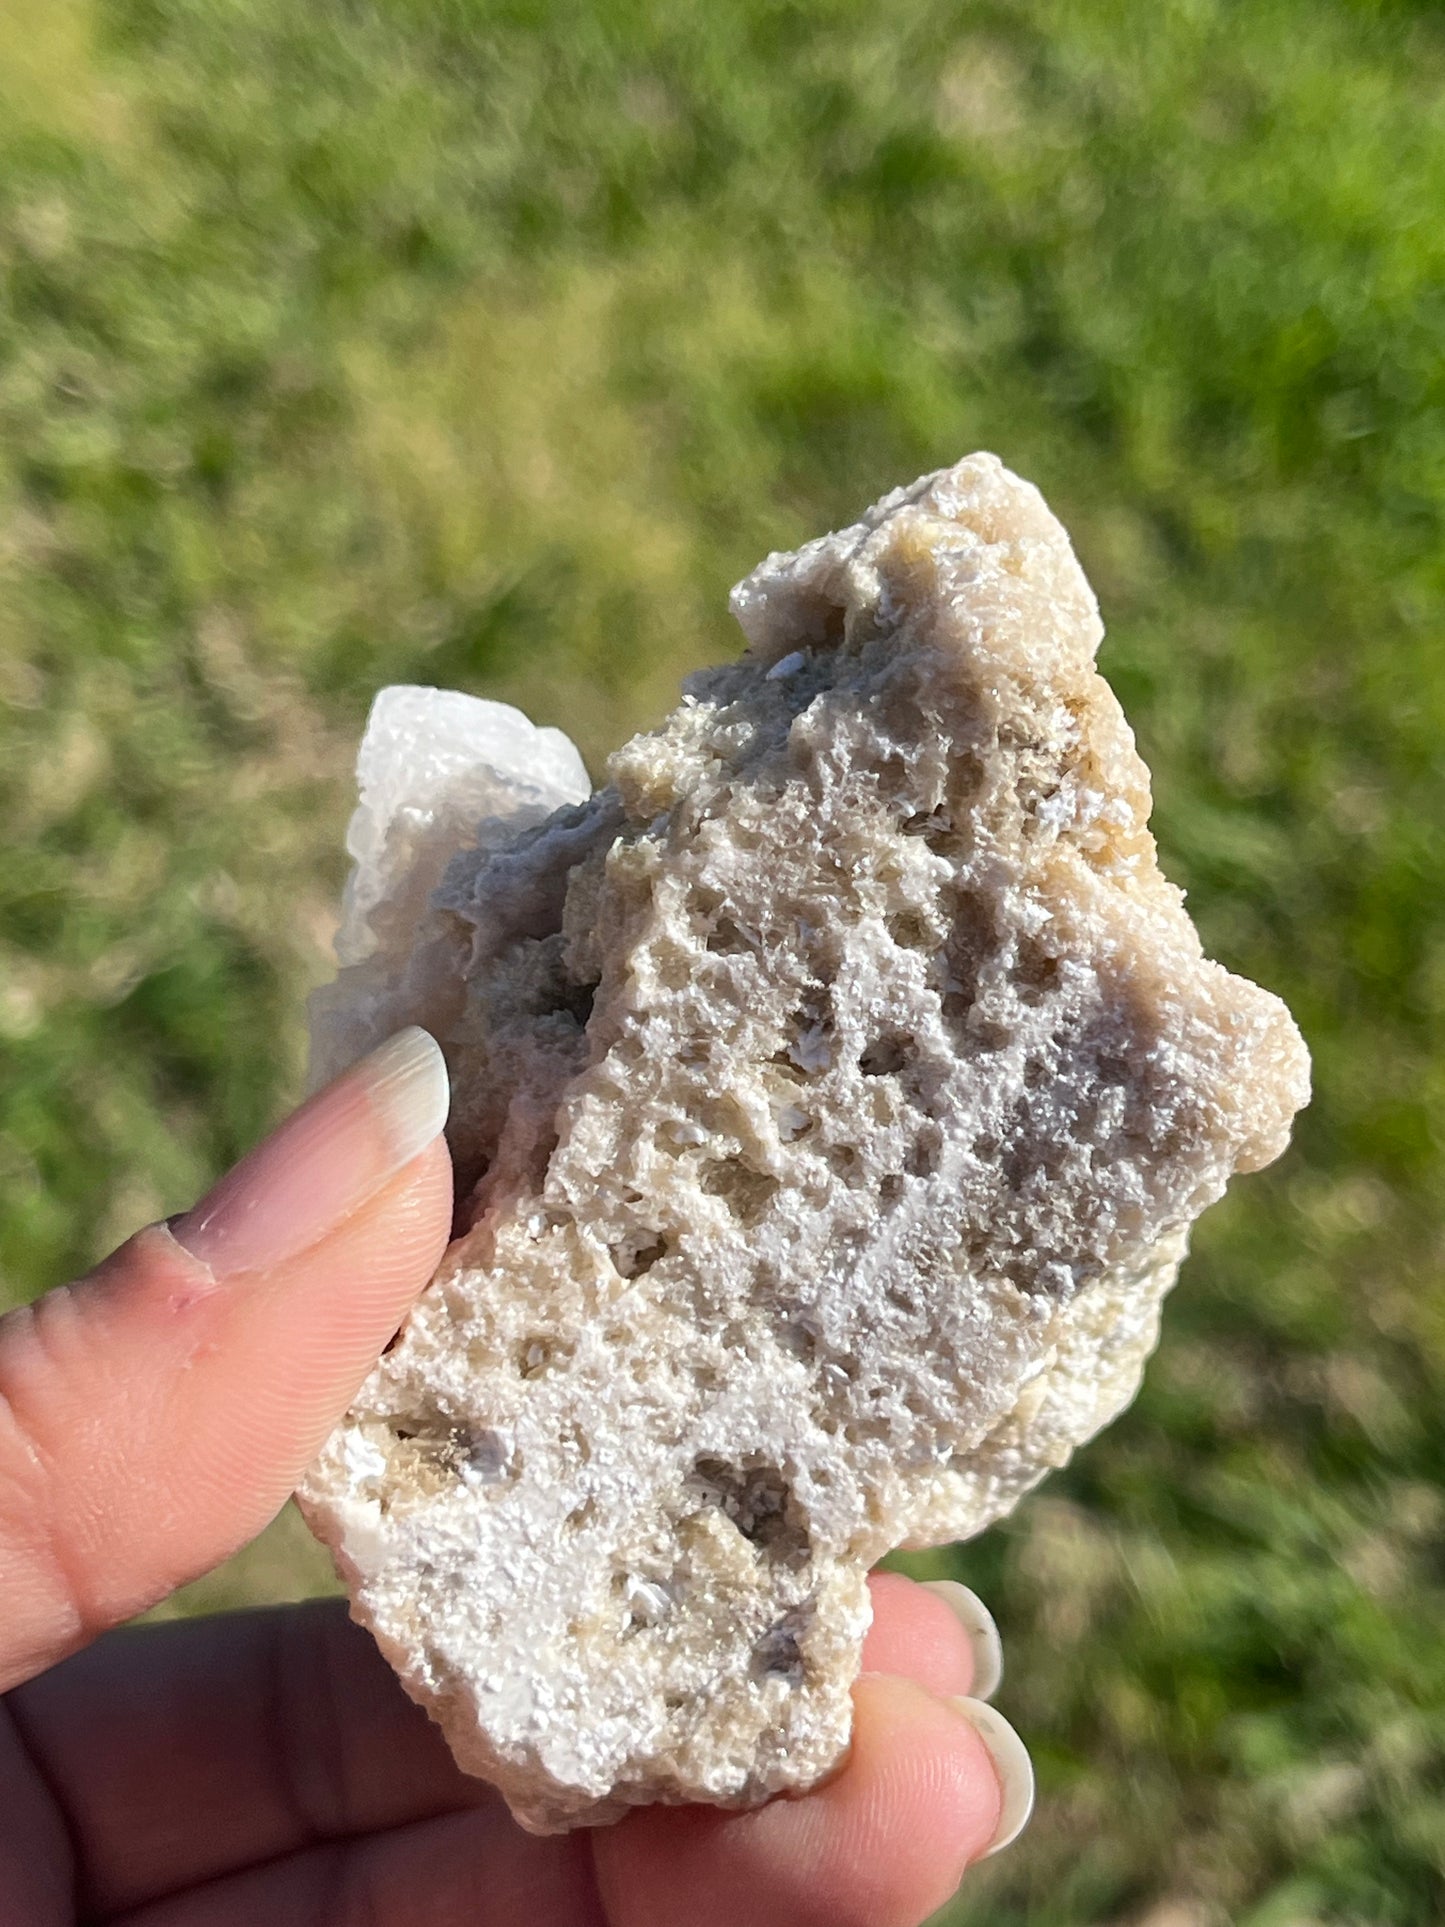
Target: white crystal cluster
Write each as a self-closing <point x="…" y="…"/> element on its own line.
<point x="834" y="1091"/>
<point x="438" y="772"/>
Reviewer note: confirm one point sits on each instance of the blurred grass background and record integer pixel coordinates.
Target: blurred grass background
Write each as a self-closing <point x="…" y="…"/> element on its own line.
<point x="485" y="343"/>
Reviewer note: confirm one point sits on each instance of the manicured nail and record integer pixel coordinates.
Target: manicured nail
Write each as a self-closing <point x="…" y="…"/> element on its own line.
<point x="324" y="1162"/>
<point x="977" y="1621"/>
<point x="1011" y="1763"/>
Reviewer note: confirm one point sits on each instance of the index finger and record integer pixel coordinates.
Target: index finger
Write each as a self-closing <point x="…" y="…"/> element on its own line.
<point x="184" y="1752"/>
<point x="884" y="1843"/>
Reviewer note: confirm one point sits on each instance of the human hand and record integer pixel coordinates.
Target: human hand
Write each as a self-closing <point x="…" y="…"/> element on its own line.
<point x="265" y="1769"/>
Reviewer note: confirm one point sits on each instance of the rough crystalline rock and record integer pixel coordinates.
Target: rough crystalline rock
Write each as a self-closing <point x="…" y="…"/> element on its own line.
<point x="834" y="1091"/>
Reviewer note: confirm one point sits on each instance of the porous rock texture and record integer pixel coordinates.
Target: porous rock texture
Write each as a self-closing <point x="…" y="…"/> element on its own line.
<point x="834" y="1091"/>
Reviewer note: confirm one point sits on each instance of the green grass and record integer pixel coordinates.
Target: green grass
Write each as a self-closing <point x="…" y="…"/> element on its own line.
<point x="486" y="343"/>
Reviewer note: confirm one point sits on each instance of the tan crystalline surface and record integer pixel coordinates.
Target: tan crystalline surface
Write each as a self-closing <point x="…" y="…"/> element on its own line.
<point x="838" y="1085"/>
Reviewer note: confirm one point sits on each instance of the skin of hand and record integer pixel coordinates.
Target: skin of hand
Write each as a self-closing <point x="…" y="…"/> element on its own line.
<point x="266" y="1766"/>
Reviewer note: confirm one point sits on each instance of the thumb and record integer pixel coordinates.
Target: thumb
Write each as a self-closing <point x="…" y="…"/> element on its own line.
<point x="154" y="1416"/>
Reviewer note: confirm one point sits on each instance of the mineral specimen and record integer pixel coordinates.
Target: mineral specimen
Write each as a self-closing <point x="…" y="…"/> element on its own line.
<point x="834" y="1091"/>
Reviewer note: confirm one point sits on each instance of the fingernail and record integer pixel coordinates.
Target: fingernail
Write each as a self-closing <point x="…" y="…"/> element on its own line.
<point x="977" y="1621"/>
<point x="1011" y="1763"/>
<point x="324" y="1162"/>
